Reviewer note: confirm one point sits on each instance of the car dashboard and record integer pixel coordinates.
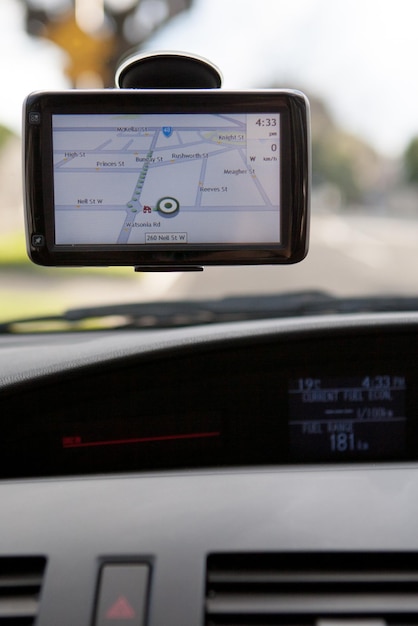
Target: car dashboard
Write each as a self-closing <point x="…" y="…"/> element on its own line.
<point x="247" y="473"/>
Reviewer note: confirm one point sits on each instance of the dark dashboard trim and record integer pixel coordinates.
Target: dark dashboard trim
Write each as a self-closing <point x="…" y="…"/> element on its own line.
<point x="30" y="358"/>
<point x="333" y="389"/>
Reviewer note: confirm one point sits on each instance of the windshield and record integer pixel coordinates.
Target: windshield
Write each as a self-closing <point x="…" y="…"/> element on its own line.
<point x="354" y="59"/>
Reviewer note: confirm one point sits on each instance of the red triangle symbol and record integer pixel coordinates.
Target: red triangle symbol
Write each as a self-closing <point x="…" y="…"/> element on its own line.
<point x="121" y="609"/>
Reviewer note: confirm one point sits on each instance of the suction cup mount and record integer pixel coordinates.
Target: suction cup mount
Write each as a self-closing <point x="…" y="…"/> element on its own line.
<point x="167" y="70"/>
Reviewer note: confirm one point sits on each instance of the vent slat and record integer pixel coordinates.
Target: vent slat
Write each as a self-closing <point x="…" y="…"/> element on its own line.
<point x="20" y="581"/>
<point x="318" y="604"/>
<point x="311" y="578"/>
<point x="18" y="607"/>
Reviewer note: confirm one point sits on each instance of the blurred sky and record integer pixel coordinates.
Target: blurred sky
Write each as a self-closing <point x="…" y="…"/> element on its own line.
<point x="360" y="55"/>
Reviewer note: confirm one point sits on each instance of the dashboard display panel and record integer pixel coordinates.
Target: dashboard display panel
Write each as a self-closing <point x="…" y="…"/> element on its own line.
<point x="299" y="405"/>
<point x="347" y="418"/>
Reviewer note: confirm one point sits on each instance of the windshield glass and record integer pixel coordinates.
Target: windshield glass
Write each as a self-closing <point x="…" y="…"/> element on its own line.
<point x="355" y="60"/>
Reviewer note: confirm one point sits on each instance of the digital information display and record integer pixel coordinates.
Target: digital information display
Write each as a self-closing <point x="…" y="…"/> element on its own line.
<point x="166" y="178"/>
<point x="351" y="418"/>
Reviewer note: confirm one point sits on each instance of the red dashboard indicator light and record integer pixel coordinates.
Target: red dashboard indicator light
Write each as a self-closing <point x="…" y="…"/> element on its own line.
<point x="121" y="609"/>
<point x="69" y="442"/>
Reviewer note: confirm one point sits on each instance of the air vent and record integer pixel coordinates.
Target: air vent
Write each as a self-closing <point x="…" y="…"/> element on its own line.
<point x="20" y="588"/>
<point x="331" y="589"/>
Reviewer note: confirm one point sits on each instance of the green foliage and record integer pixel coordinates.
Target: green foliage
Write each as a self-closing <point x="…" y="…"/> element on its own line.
<point x="340" y="158"/>
<point x="5" y="135"/>
<point x="410" y="161"/>
<point x="331" y="164"/>
<point x="13" y="250"/>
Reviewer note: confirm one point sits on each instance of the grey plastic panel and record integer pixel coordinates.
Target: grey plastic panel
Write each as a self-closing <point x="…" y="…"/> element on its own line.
<point x="178" y="519"/>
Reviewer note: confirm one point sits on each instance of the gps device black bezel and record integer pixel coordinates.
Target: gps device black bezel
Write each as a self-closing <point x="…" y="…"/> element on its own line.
<point x="38" y="176"/>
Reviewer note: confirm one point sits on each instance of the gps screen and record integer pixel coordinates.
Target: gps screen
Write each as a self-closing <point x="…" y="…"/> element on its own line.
<point x="166" y="178"/>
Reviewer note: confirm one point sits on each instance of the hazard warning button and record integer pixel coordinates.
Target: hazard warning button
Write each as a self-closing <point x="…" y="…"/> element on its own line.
<point x="123" y="594"/>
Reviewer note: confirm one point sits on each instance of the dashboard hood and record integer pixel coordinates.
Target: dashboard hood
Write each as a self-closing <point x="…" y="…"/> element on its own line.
<point x="38" y="356"/>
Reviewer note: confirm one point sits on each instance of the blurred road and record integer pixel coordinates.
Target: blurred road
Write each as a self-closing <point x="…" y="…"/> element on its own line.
<point x="349" y="255"/>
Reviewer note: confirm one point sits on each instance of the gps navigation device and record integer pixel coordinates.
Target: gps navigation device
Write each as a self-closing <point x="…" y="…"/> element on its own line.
<point x="166" y="178"/>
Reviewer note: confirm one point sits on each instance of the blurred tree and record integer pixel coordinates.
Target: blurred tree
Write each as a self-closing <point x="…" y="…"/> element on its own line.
<point x="95" y="34"/>
<point x="410" y="161"/>
<point x="341" y="158"/>
<point x="5" y="135"/>
<point x="332" y="165"/>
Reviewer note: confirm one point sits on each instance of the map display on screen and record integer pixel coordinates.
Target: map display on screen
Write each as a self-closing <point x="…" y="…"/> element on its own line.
<point x="166" y="178"/>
